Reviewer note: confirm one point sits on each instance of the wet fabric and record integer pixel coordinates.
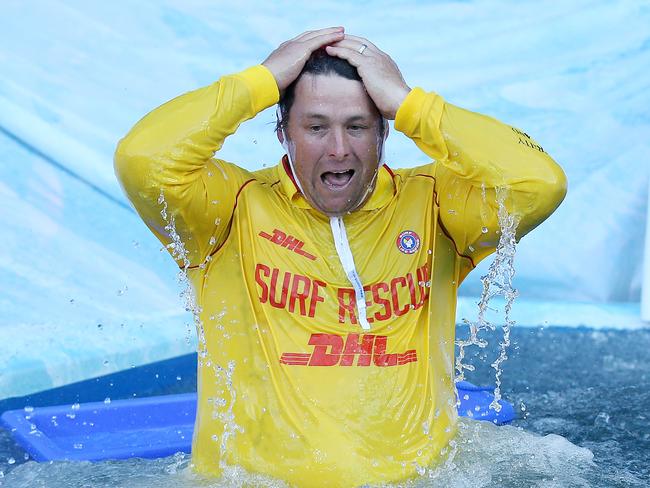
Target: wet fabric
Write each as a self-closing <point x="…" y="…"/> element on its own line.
<point x="289" y="383"/>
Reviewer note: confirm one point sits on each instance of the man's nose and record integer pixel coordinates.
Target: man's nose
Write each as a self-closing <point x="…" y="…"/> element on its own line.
<point x="339" y="147"/>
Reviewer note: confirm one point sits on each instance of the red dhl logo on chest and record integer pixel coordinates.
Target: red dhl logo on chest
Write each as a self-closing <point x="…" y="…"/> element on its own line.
<point x="332" y="350"/>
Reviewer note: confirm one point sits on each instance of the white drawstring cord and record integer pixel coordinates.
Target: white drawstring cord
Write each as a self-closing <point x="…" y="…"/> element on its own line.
<point x="345" y="256"/>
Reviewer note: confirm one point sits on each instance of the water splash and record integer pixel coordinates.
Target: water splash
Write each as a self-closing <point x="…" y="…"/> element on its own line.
<point x="178" y="251"/>
<point x="224" y="376"/>
<point x="227" y="417"/>
<point x="497" y="282"/>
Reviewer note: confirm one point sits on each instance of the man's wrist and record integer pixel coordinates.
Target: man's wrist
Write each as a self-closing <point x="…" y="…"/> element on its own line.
<point x="400" y="96"/>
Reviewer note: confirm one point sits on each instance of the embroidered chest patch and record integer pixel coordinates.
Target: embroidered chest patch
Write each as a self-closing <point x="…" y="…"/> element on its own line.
<point x="408" y="242"/>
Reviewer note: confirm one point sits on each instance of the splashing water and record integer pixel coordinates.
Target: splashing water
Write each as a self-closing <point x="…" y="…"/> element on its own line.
<point x="224" y="375"/>
<point x="497" y="282"/>
<point x="178" y="251"/>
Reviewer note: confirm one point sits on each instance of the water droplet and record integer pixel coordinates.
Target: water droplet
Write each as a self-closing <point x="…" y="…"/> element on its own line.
<point x="75" y="406"/>
<point x="28" y="409"/>
<point x="78" y="445"/>
<point x="99" y="326"/>
<point x="72" y="300"/>
<point x="106" y="362"/>
<point x="107" y="400"/>
<point x="26" y="456"/>
<point x="471" y="248"/>
<point x="70" y="415"/>
<point x="178" y="378"/>
<point x="11" y="460"/>
<point x="484" y="230"/>
<point x="213" y="241"/>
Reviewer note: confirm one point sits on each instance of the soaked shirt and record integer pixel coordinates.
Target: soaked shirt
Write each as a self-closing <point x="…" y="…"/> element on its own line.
<point x="289" y="385"/>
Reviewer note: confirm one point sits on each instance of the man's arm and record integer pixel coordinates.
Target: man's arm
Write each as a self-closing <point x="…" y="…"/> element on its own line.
<point x="169" y="152"/>
<point x="475" y="155"/>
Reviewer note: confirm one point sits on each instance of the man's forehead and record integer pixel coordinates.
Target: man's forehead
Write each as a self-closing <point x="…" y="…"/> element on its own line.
<point x="319" y="95"/>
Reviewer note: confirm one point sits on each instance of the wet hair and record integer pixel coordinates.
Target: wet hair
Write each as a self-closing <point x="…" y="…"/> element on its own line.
<point x="319" y="63"/>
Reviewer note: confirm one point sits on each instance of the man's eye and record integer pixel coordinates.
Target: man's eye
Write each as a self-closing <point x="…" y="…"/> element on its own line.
<point x="356" y="127"/>
<point x="315" y="128"/>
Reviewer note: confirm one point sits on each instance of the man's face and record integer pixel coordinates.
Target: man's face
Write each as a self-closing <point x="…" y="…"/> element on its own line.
<point x="333" y="137"/>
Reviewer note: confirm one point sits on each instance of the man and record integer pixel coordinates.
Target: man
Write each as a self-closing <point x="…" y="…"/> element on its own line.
<point x="327" y="284"/>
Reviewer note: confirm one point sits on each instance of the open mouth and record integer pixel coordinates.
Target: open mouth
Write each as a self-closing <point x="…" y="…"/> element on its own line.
<point x="337" y="180"/>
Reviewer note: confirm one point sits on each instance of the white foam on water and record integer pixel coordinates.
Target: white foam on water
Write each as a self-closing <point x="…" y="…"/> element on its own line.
<point x="486" y="455"/>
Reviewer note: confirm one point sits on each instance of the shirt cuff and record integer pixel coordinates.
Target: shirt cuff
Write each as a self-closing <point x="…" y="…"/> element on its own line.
<point x="262" y="85"/>
<point x="409" y="114"/>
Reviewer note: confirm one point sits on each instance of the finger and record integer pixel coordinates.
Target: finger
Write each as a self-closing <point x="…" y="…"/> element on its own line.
<point x="362" y="40"/>
<point x="350" y="55"/>
<point x="354" y="45"/>
<point x="323" y="40"/>
<point x="306" y="36"/>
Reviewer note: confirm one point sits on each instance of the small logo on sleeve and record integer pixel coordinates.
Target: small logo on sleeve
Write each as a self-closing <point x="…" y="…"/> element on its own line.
<point x="408" y="242"/>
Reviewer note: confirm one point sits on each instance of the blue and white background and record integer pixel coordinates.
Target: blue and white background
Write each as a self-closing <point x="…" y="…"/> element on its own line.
<point x="85" y="289"/>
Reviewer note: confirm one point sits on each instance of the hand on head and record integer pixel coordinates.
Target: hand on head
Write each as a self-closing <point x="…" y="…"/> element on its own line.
<point x="287" y="61"/>
<point x="381" y="76"/>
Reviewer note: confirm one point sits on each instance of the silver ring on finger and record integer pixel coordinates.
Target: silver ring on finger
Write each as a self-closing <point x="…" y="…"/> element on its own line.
<point x="362" y="48"/>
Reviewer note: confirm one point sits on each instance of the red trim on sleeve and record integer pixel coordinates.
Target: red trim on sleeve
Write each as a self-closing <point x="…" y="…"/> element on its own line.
<point x="230" y="226"/>
<point x="442" y="226"/>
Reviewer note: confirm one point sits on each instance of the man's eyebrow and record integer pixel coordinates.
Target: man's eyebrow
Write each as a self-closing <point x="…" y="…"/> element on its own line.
<point x="354" y="118"/>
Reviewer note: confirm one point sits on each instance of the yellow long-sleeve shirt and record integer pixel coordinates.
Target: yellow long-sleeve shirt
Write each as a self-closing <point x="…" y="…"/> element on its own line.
<point x="289" y="384"/>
